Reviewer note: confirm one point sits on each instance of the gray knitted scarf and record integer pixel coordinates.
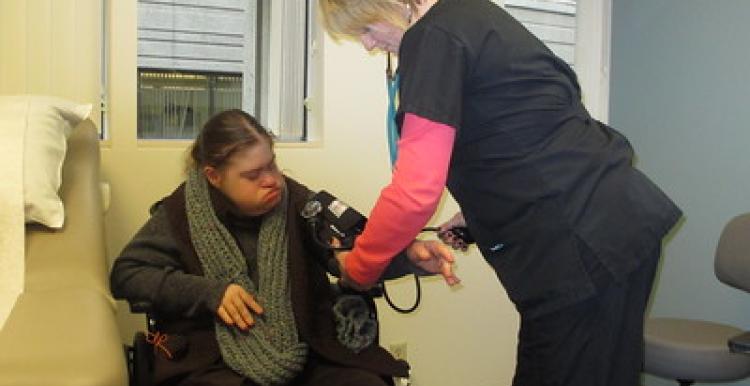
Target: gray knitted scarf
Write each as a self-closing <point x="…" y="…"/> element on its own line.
<point x="270" y="353"/>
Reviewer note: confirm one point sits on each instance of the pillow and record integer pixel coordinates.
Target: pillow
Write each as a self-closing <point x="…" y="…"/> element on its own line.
<point x="48" y="123"/>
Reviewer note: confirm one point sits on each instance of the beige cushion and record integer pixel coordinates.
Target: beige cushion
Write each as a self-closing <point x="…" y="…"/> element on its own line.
<point x="62" y="338"/>
<point x="74" y="256"/>
<point x="63" y="330"/>
<point x="693" y="350"/>
<point x="49" y="120"/>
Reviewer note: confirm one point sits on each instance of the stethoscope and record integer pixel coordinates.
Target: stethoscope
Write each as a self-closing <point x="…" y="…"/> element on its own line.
<point x="392" y="81"/>
<point x="392" y="84"/>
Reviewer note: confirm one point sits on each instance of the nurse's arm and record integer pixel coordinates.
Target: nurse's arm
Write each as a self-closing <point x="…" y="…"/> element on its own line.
<point x="407" y="203"/>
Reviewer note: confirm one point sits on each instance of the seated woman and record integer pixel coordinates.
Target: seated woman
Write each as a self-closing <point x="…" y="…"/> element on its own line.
<point x="229" y="268"/>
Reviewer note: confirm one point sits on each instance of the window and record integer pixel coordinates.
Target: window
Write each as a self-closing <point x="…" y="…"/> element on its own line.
<point x="173" y="104"/>
<point x="199" y="57"/>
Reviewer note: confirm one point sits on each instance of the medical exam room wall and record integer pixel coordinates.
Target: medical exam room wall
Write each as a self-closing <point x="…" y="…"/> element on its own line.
<point x="680" y="93"/>
<point x="458" y="337"/>
<point x="52" y="48"/>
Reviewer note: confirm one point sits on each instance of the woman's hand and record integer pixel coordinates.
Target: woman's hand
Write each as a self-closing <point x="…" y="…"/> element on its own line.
<point x="434" y="257"/>
<point x="448" y="237"/>
<point x="237" y="307"/>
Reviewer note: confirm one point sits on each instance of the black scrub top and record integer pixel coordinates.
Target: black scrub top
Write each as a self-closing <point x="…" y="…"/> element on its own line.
<point x="537" y="178"/>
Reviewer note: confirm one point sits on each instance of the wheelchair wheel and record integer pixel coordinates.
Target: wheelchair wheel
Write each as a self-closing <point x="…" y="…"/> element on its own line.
<point x="141" y="361"/>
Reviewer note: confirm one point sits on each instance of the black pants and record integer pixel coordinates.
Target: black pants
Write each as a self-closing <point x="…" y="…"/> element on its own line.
<point x="597" y="342"/>
<point x="331" y="375"/>
<point x="317" y="372"/>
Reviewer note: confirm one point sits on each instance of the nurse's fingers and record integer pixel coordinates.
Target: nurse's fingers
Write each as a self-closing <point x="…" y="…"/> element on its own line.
<point x="448" y="275"/>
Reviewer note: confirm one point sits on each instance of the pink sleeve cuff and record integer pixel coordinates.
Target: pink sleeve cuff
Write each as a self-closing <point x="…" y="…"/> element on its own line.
<point x="408" y="202"/>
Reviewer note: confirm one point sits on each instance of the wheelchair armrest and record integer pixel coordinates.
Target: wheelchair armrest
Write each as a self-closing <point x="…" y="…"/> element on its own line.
<point x="141" y="307"/>
<point x="145" y="307"/>
<point x="740" y="343"/>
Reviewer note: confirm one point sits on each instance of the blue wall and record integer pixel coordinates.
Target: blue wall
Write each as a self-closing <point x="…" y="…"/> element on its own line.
<point x="681" y="93"/>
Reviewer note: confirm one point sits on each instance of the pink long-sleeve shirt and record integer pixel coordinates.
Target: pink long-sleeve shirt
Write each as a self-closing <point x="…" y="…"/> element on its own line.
<point x="408" y="202"/>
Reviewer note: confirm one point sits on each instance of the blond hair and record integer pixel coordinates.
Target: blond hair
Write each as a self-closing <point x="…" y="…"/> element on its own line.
<point x="348" y="18"/>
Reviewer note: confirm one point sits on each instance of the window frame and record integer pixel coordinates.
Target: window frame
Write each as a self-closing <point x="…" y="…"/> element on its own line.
<point x="593" y="46"/>
<point x="271" y="79"/>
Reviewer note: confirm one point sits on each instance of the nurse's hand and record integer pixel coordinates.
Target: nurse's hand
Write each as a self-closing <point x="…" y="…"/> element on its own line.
<point x="434" y="257"/>
<point x="448" y="237"/>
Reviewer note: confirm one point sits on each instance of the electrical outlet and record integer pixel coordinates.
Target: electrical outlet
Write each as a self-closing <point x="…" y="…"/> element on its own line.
<point x="398" y="350"/>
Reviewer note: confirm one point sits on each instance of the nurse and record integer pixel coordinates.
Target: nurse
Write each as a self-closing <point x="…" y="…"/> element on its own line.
<point x="572" y="229"/>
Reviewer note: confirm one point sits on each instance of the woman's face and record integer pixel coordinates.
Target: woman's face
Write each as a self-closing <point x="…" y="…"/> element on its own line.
<point x="250" y="179"/>
<point x="383" y="36"/>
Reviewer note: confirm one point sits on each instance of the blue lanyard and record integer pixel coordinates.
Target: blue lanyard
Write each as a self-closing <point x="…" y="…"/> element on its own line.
<point x="392" y="82"/>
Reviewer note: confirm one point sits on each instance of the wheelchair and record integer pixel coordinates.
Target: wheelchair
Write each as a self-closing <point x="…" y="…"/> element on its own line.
<point x="140" y="355"/>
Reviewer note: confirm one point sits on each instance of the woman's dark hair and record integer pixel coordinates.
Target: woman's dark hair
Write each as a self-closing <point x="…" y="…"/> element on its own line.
<point x="223" y="135"/>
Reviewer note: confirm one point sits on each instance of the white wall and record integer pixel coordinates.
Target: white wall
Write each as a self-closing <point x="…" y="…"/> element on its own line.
<point x="52" y="47"/>
<point x="680" y="93"/>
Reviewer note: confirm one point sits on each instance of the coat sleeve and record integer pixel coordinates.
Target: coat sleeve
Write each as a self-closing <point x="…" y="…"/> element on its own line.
<point x="149" y="270"/>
